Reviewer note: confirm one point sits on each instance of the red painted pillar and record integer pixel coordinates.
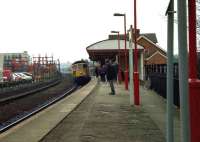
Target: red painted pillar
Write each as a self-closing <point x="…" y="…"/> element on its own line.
<point x="119" y="64"/>
<point x="194" y="83"/>
<point x="194" y="91"/>
<point x="136" y="88"/>
<point x="126" y="63"/>
<point x="136" y="74"/>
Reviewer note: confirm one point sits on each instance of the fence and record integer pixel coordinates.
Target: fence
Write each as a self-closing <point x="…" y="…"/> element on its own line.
<point x="157" y="74"/>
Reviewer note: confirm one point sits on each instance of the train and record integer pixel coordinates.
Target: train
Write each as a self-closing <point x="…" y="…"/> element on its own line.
<point x="80" y="72"/>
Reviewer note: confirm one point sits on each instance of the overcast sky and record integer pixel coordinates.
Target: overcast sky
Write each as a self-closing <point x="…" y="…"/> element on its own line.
<point x="65" y="28"/>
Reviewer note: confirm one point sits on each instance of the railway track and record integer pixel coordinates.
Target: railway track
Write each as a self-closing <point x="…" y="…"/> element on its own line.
<point x="26" y="89"/>
<point x="17" y="109"/>
<point x="29" y="92"/>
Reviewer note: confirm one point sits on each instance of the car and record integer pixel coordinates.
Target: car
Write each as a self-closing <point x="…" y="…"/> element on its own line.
<point x="1" y="79"/>
<point x="16" y="77"/>
<point x="25" y="77"/>
<point x="28" y="74"/>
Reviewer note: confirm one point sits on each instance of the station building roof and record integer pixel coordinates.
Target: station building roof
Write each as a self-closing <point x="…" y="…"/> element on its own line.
<point x="150" y="36"/>
<point x="107" y="49"/>
<point x="110" y="45"/>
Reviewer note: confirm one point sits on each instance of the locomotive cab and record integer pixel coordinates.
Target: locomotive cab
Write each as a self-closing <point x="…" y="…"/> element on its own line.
<point x="80" y="72"/>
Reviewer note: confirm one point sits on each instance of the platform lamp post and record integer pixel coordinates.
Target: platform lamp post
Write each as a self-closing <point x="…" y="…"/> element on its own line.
<point x="183" y="69"/>
<point x="170" y="42"/>
<point x="119" y="65"/>
<point x="136" y="73"/>
<point x="125" y="52"/>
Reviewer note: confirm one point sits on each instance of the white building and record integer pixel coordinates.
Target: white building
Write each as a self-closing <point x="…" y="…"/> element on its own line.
<point x="18" y="57"/>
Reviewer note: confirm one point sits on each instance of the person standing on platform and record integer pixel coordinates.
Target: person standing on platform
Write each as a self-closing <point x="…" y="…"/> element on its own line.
<point x="97" y="72"/>
<point x="110" y="74"/>
<point x="102" y="73"/>
<point x="115" y="65"/>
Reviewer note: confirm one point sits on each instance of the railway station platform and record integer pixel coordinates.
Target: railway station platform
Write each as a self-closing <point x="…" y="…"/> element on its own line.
<point x="92" y="115"/>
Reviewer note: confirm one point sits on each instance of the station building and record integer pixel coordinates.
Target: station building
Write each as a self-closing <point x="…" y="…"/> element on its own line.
<point x="149" y="53"/>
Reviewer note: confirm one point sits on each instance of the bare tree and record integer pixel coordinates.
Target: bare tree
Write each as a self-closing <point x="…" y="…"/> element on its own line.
<point x="197" y="16"/>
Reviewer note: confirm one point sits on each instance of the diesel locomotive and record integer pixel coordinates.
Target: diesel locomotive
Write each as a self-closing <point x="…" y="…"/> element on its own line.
<point x="80" y="72"/>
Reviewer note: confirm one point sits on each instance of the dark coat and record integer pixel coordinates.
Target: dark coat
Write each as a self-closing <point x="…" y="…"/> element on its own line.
<point x="96" y="72"/>
<point x="110" y="72"/>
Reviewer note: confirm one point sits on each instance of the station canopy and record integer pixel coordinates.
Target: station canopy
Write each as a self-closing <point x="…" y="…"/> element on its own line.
<point x="108" y="49"/>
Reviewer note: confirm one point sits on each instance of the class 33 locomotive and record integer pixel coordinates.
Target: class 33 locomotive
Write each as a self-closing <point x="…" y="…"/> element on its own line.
<point x="80" y="72"/>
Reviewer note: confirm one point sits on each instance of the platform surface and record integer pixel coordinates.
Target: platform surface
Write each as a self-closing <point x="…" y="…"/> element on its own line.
<point x="111" y="118"/>
<point x="92" y="115"/>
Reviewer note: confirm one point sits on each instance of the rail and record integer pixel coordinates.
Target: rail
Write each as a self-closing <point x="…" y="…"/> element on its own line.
<point x="4" y="100"/>
<point x="28" y="114"/>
